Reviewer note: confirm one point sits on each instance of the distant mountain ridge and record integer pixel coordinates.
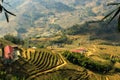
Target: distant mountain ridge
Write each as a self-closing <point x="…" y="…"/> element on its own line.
<point x="38" y="15"/>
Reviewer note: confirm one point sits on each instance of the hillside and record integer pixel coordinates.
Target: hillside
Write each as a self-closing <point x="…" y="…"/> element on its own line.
<point x="40" y="64"/>
<point x="60" y="40"/>
<point x="34" y="14"/>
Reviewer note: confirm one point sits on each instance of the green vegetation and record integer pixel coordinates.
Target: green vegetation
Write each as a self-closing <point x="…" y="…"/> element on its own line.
<point x="9" y="72"/>
<point x="5" y="76"/>
<point x="112" y="58"/>
<point x="13" y="39"/>
<point x="81" y="60"/>
<point x="77" y="29"/>
<point x="114" y="13"/>
<point x="6" y="12"/>
<point x="35" y="61"/>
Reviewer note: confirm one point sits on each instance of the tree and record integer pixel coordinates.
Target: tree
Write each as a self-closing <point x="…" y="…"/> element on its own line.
<point x="14" y="39"/>
<point x="114" y="13"/>
<point x="6" y="12"/>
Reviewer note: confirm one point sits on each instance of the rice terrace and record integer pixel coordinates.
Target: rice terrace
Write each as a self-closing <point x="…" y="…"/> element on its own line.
<point x="37" y="62"/>
<point x="52" y="64"/>
<point x="43" y="61"/>
<point x="59" y="39"/>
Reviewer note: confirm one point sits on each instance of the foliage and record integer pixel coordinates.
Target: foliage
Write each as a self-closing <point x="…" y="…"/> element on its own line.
<point x="77" y="29"/>
<point x="81" y="60"/>
<point x="13" y="39"/>
<point x="6" y="12"/>
<point x="113" y="58"/>
<point x="113" y="14"/>
<point x="6" y="75"/>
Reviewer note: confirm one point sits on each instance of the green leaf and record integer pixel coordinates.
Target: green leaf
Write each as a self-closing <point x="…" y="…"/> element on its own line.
<point x="1" y="8"/>
<point x="112" y="4"/>
<point x="8" y="12"/>
<point x="119" y="23"/>
<point x="117" y="12"/>
<point x="109" y="14"/>
<point x="7" y="17"/>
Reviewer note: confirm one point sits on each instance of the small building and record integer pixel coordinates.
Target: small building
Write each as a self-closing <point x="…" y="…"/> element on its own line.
<point x="81" y="50"/>
<point x="11" y="54"/>
<point x="8" y="52"/>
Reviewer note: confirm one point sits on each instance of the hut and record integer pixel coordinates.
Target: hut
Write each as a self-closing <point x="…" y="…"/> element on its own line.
<point x="80" y="50"/>
<point x="8" y="52"/>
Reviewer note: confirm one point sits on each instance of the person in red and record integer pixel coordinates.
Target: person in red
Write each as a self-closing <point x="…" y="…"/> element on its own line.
<point x="8" y="54"/>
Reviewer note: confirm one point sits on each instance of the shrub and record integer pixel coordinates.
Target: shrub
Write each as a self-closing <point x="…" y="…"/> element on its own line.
<point x="13" y="39"/>
<point x="81" y="60"/>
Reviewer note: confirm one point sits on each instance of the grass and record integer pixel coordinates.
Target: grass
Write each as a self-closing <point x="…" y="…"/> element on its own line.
<point x="95" y="64"/>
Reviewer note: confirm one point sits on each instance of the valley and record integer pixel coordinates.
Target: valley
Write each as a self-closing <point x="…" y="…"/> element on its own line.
<point x="59" y="40"/>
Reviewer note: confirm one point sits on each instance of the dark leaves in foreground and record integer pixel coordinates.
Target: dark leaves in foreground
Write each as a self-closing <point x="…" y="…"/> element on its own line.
<point x="113" y="14"/>
<point x="113" y="4"/>
<point x="119" y="23"/>
<point x="6" y="12"/>
<point x="2" y="1"/>
<point x="7" y="17"/>
<point x="0" y="9"/>
<point x="116" y="13"/>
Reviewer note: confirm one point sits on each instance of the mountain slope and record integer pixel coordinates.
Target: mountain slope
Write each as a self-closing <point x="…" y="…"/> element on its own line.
<point x="42" y="13"/>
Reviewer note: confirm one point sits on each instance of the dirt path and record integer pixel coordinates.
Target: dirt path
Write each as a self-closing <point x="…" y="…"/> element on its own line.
<point x="49" y="70"/>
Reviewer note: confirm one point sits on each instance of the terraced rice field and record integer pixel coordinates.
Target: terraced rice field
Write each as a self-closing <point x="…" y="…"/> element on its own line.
<point x="35" y="62"/>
